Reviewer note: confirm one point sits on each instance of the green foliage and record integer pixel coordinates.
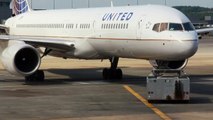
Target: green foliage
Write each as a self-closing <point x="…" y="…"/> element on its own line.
<point x="196" y="12"/>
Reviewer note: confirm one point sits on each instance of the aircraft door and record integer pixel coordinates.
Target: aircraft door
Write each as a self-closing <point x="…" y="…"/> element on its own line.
<point x="140" y="29"/>
<point x="143" y="25"/>
<point x="96" y="29"/>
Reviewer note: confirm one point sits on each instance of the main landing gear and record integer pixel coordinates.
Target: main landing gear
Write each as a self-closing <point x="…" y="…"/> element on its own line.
<point x="38" y="76"/>
<point x="113" y="72"/>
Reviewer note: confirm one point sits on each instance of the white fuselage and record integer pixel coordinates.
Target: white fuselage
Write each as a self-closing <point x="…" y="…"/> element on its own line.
<point x="105" y="32"/>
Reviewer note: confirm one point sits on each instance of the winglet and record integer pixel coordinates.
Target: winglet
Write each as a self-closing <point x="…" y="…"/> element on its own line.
<point x="19" y="6"/>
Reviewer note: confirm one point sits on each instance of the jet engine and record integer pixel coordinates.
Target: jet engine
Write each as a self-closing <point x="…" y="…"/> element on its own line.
<point x="177" y="65"/>
<point x="21" y="59"/>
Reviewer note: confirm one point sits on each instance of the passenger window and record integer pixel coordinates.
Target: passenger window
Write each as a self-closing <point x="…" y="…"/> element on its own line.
<point x="175" y="27"/>
<point x="163" y="27"/>
<point x="111" y="26"/>
<point x="124" y="26"/>
<point x="156" y="27"/>
<point x="119" y="26"/>
<point x="127" y="26"/>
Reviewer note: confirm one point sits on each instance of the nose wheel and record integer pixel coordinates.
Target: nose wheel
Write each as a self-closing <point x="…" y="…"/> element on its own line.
<point x="113" y="72"/>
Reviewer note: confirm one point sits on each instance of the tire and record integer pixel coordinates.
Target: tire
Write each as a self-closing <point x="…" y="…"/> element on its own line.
<point x="119" y="74"/>
<point x="105" y="73"/>
<point x="109" y="74"/>
<point x="38" y="76"/>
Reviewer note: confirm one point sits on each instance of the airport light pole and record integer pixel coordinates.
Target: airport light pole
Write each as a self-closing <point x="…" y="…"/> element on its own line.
<point x="31" y="4"/>
<point x="165" y="2"/>
<point x="88" y="3"/>
<point x="53" y="4"/>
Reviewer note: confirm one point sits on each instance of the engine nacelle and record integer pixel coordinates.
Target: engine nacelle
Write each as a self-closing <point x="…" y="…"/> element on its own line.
<point x="177" y="65"/>
<point x="21" y="59"/>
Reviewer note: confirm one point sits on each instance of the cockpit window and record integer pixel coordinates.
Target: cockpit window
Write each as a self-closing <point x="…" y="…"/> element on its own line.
<point x="156" y="27"/>
<point x="175" y="27"/>
<point x="188" y="26"/>
<point x="163" y="27"/>
<point x="159" y="27"/>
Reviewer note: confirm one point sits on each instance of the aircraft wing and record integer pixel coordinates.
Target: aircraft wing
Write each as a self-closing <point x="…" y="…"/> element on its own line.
<point x="47" y="42"/>
<point x="2" y="26"/>
<point x="203" y="31"/>
<point x="4" y="29"/>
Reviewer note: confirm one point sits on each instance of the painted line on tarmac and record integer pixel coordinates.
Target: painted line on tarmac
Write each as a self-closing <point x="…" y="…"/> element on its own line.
<point x="149" y="105"/>
<point x="12" y="87"/>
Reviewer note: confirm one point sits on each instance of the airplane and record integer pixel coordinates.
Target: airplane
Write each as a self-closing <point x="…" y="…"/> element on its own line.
<point x="160" y="34"/>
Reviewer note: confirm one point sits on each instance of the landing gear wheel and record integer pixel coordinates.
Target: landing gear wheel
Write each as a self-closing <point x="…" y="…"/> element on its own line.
<point x="106" y="74"/>
<point x="38" y="76"/>
<point x="112" y="74"/>
<point x="119" y="74"/>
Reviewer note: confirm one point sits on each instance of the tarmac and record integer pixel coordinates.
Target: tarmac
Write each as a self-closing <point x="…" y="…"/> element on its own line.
<point x="75" y="90"/>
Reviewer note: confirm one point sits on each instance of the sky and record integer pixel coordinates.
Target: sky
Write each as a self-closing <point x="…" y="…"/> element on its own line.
<point x="60" y="4"/>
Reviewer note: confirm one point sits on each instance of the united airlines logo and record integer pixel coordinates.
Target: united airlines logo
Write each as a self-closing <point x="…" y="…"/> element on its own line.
<point x="20" y="6"/>
<point x="122" y="16"/>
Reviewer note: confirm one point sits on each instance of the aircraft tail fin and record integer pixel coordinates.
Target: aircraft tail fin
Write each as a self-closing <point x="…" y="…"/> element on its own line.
<point x="19" y="6"/>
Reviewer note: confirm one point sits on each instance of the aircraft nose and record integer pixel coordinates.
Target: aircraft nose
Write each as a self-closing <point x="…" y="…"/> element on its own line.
<point x="191" y="47"/>
<point x="189" y="44"/>
<point x="186" y="44"/>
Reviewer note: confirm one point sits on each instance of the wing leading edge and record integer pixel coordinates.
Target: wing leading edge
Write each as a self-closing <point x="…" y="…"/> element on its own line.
<point x="204" y="30"/>
<point x="52" y="43"/>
